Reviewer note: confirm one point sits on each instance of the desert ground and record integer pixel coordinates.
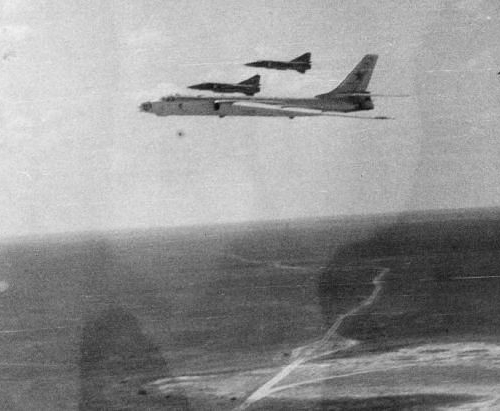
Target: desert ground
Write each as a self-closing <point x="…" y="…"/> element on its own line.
<point x="382" y="312"/>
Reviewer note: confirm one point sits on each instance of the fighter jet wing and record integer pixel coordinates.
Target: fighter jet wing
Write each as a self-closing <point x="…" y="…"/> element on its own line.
<point x="271" y="108"/>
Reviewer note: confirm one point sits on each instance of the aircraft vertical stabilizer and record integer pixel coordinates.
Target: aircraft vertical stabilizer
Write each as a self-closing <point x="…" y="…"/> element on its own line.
<point x="305" y="58"/>
<point x="252" y="80"/>
<point x="357" y="80"/>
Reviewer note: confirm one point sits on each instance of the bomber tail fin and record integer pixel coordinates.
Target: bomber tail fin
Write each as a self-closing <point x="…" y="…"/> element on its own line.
<point x="357" y="80"/>
<point x="255" y="80"/>
<point x="305" y="58"/>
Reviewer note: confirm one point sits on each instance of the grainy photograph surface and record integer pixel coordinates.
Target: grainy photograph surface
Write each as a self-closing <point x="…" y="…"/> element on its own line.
<point x="249" y="205"/>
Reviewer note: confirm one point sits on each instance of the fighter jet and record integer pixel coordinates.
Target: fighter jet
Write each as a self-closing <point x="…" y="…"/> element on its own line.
<point x="350" y="96"/>
<point x="248" y="87"/>
<point x="300" y="64"/>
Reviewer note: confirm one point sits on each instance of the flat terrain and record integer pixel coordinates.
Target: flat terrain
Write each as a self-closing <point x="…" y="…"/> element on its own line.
<point x="396" y="312"/>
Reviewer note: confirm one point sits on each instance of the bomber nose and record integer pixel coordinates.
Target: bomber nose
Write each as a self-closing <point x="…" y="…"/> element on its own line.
<point x="146" y="107"/>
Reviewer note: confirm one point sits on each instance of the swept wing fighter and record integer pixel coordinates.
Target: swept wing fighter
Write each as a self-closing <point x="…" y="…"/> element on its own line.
<point x="300" y="64"/>
<point x="350" y="96"/>
<point x="249" y="86"/>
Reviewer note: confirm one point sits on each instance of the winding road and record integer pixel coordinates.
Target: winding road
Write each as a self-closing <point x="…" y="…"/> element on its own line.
<point x="326" y="345"/>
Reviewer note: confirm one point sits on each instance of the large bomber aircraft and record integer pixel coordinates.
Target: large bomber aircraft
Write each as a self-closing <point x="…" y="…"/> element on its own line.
<point x="300" y="64"/>
<point x="249" y="86"/>
<point x="350" y="96"/>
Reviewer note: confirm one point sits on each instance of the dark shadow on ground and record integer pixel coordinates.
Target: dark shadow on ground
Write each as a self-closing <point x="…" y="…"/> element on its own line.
<point x="443" y="281"/>
<point x="117" y="359"/>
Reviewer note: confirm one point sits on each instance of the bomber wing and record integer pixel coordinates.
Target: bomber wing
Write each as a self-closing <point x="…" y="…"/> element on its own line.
<point x="270" y="108"/>
<point x="276" y="109"/>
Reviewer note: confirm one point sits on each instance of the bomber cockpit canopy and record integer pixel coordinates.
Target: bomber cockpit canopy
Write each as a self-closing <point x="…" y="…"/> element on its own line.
<point x="168" y="98"/>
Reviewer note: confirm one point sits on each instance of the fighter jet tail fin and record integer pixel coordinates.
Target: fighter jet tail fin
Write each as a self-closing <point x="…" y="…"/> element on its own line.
<point x="305" y="58"/>
<point x="255" y="80"/>
<point x="357" y="80"/>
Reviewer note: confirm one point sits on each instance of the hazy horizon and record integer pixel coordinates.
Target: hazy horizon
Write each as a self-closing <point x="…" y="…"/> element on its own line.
<point x="374" y="221"/>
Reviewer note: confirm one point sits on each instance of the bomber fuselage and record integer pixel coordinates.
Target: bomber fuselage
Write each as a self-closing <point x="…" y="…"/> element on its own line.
<point x="222" y="106"/>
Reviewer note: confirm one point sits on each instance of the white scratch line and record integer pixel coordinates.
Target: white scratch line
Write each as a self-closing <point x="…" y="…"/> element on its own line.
<point x="477" y="277"/>
<point x="30" y="330"/>
<point x="275" y="264"/>
<point x="31" y="364"/>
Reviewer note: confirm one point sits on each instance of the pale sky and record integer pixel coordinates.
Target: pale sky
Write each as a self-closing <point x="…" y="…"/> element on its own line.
<point x="75" y="153"/>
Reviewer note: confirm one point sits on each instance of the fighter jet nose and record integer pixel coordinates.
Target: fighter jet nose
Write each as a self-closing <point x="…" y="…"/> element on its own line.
<point x="146" y="107"/>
